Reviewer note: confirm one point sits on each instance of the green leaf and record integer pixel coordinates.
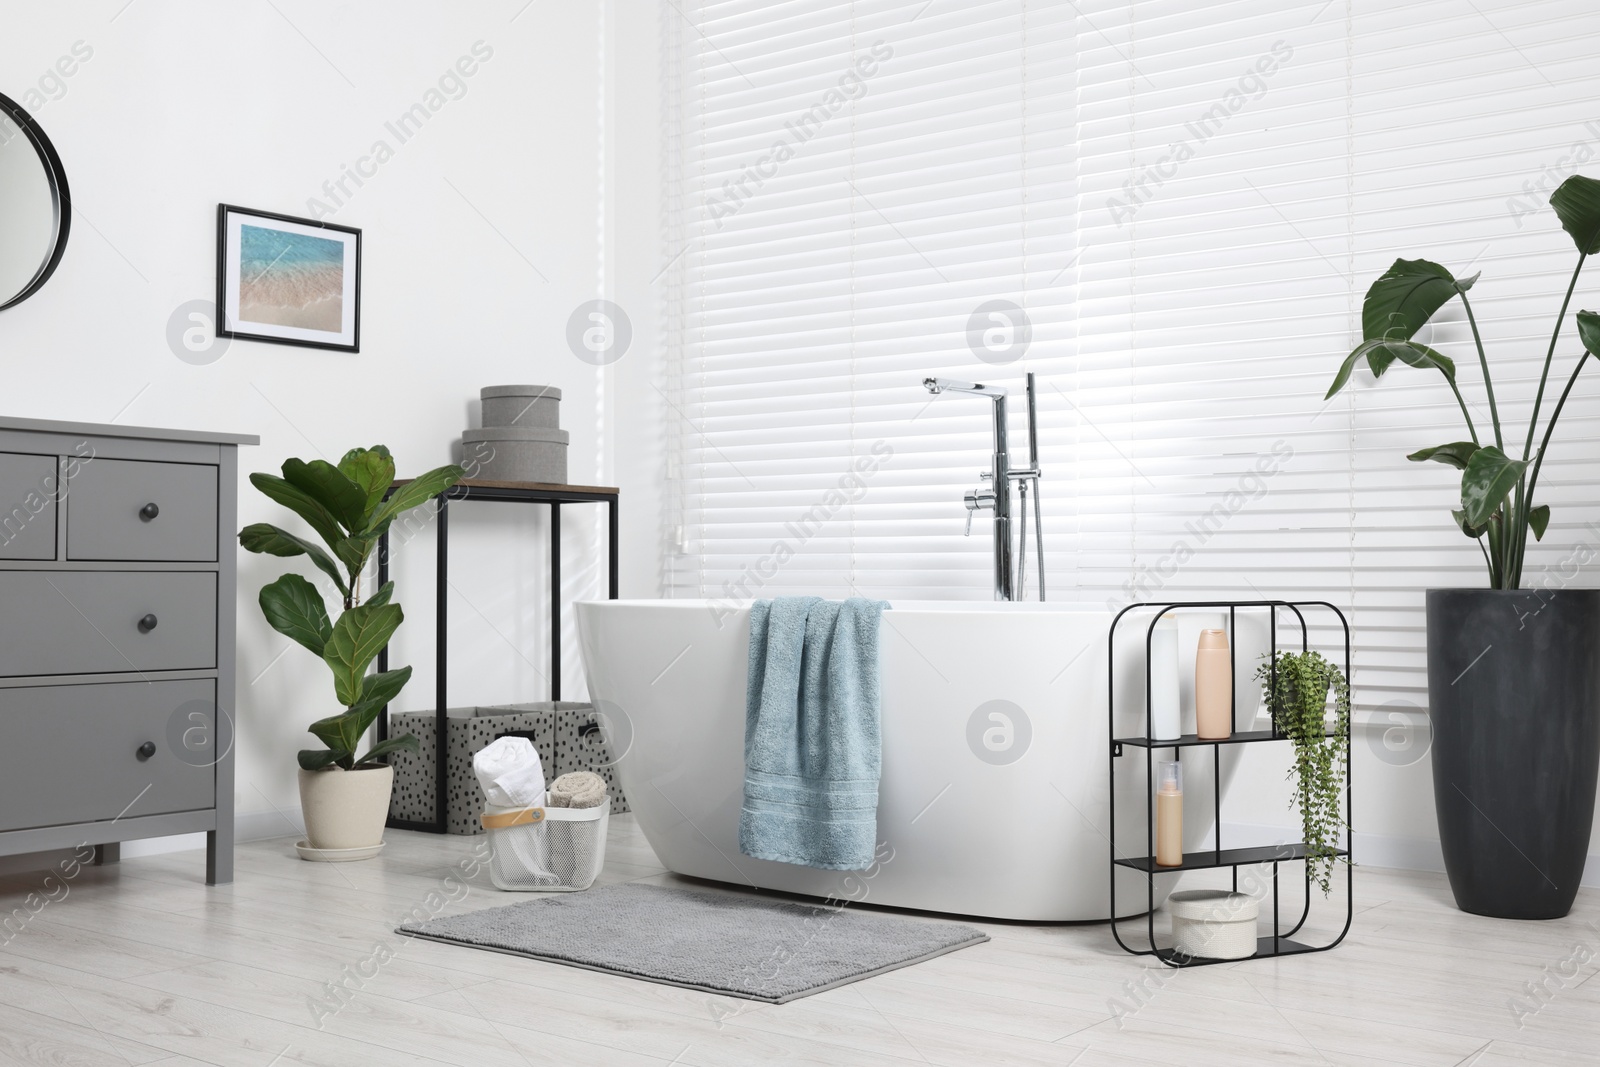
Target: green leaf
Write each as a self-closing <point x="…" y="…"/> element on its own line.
<point x="357" y="638"/>
<point x="323" y="482"/>
<point x="379" y="689"/>
<point x="294" y="608"/>
<point x="353" y="552"/>
<point x="1416" y="354"/>
<point x="1576" y="202"/>
<point x="1381" y="353"/>
<point x="414" y="493"/>
<point x="1539" y="521"/>
<point x="1489" y="477"/>
<point x="267" y="538"/>
<point x="1341" y="379"/>
<point x="1473" y="532"/>
<point x="315" y="759"/>
<point x="373" y="470"/>
<point x="385" y="591"/>
<point x="1456" y="454"/>
<point x="302" y="504"/>
<point x="342" y="733"/>
<point x="1406" y="296"/>
<point x="407" y="743"/>
<point x="1589" y="331"/>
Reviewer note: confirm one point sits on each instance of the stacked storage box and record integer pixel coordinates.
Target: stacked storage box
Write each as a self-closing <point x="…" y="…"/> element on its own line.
<point x="521" y="439"/>
<point x="560" y="730"/>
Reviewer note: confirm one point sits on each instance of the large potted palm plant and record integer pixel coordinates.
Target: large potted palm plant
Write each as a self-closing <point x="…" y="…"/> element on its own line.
<point x="344" y="797"/>
<point x="1513" y="673"/>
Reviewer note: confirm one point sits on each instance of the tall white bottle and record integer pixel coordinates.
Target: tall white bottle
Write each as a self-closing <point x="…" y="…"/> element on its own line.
<point x="1165" y="721"/>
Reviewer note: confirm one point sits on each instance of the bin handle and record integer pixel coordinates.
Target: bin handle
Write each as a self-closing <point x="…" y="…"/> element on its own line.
<point x="506" y="819"/>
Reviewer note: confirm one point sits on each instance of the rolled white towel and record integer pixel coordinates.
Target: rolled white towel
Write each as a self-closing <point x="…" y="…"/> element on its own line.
<point x="511" y="774"/>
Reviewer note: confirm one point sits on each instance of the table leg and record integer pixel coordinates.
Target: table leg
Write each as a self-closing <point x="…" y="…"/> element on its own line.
<point x="555" y="600"/>
<point x="441" y="726"/>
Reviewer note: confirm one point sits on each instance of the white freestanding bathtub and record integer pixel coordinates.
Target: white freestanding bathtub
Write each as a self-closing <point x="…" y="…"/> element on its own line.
<point x="993" y="799"/>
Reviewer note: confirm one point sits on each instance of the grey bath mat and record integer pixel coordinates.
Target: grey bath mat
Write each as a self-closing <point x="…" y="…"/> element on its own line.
<point x="750" y="947"/>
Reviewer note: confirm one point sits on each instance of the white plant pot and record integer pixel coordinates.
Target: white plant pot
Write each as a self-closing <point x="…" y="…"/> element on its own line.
<point x="345" y="809"/>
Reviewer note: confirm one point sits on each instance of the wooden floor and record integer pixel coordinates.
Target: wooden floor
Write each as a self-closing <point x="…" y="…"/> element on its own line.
<point x="140" y="963"/>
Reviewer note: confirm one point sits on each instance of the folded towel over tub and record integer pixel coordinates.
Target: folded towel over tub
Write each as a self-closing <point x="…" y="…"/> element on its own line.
<point x="811" y="743"/>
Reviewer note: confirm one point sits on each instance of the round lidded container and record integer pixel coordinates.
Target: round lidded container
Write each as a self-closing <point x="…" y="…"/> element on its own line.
<point x="516" y="454"/>
<point x="1214" y="923"/>
<point x="525" y="406"/>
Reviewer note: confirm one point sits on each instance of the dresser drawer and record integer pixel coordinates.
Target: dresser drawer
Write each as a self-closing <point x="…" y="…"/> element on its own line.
<point x="72" y="752"/>
<point x="27" y="506"/>
<point x="123" y="509"/>
<point x="96" y="622"/>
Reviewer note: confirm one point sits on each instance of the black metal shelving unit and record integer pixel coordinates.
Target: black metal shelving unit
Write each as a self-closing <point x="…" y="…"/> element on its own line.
<point x="1281" y="943"/>
<point x="503" y="492"/>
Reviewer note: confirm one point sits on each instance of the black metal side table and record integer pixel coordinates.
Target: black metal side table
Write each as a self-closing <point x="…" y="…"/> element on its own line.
<point x="502" y="492"/>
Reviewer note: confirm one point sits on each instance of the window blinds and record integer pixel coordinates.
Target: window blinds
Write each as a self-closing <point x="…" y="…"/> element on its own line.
<point x="1170" y="213"/>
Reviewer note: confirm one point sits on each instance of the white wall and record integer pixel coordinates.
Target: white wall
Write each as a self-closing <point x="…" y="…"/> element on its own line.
<point x="482" y="234"/>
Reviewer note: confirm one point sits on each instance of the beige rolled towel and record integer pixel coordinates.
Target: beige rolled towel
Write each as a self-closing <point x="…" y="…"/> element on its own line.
<point x="578" y="789"/>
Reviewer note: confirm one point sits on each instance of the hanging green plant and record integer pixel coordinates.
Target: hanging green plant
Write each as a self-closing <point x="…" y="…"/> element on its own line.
<point x="1297" y="695"/>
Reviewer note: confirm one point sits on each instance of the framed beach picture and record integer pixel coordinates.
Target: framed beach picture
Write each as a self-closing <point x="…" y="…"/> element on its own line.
<point x="287" y="280"/>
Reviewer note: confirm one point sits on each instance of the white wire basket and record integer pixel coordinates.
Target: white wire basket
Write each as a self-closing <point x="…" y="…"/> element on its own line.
<point x="546" y="850"/>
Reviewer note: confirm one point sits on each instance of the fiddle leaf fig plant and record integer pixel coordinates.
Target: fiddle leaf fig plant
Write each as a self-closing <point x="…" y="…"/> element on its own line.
<point x="345" y="506"/>
<point x="1497" y="483"/>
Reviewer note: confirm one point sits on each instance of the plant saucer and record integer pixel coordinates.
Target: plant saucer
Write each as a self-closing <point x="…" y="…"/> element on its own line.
<point x="336" y="855"/>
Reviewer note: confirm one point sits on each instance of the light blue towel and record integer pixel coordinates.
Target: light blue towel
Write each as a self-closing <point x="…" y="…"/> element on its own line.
<point x="811" y="744"/>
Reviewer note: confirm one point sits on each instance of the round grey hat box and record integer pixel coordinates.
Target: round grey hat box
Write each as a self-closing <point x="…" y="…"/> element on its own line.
<point x="535" y="407"/>
<point x="517" y="454"/>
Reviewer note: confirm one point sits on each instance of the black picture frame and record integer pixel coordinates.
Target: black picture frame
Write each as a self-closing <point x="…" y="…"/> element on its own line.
<point x="231" y="326"/>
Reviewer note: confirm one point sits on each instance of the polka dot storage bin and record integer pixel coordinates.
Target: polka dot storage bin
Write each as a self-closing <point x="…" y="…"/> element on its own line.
<point x="560" y="730"/>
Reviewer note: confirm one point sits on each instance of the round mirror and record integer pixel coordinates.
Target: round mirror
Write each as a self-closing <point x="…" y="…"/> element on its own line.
<point x="35" y="210"/>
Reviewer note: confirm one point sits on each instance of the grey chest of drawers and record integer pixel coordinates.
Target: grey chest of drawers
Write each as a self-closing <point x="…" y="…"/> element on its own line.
<point x="116" y="636"/>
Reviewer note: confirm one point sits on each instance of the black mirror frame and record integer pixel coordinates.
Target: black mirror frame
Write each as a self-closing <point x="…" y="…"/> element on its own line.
<point x="60" y="199"/>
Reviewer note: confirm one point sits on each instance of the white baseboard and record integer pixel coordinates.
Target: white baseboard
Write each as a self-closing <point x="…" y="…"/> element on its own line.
<point x="247" y="826"/>
<point x="1378" y="850"/>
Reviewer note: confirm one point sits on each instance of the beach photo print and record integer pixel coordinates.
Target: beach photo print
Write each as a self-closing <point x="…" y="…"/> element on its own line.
<point x="288" y="280"/>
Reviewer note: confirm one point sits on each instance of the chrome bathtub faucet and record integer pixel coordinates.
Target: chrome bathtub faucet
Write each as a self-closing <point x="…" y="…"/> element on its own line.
<point x="1010" y="580"/>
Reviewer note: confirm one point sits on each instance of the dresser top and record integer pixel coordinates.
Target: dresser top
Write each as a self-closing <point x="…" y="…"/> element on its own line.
<point x="148" y="433"/>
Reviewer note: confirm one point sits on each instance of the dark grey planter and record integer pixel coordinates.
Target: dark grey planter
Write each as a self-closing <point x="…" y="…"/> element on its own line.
<point x="1514" y="698"/>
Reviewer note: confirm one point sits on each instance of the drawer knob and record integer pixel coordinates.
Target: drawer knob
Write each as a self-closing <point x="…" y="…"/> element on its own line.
<point x="149" y="511"/>
<point x="147" y="624"/>
<point x="146" y="750"/>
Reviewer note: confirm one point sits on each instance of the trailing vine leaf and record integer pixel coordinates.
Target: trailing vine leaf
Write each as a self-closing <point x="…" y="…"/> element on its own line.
<point x="1296" y="687"/>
